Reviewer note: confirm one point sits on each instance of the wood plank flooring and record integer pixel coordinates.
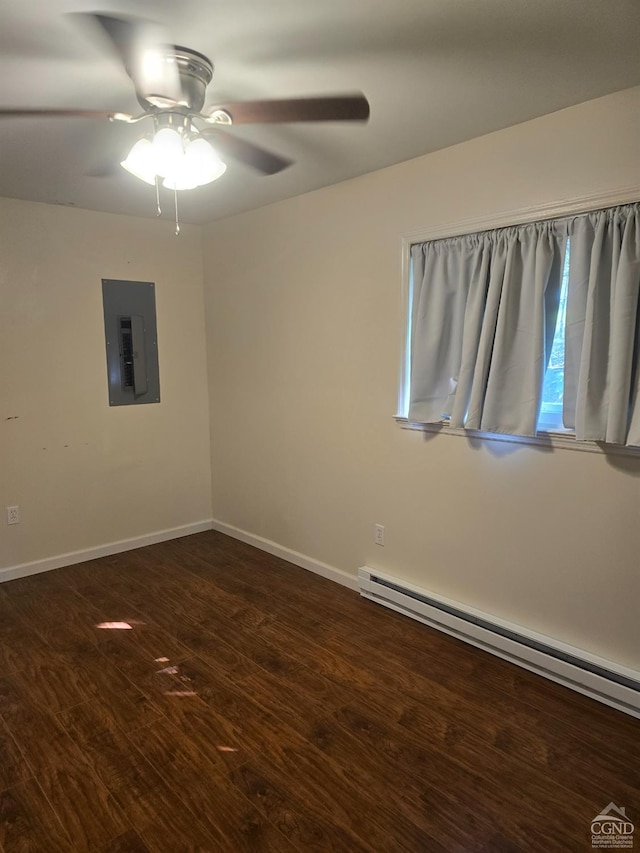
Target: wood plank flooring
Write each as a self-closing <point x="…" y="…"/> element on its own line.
<point x="200" y="695"/>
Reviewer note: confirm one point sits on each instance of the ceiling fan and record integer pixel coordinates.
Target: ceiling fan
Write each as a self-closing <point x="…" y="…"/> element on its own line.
<point x="170" y="84"/>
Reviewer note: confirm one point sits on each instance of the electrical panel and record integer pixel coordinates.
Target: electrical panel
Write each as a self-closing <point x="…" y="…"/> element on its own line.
<point x="132" y="342"/>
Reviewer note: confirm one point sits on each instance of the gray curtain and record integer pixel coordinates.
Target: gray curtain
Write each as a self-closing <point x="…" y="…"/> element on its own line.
<point x="602" y="349"/>
<point x="483" y="315"/>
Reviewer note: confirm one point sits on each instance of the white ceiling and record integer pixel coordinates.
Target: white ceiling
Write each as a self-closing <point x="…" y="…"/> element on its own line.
<point x="436" y="72"/>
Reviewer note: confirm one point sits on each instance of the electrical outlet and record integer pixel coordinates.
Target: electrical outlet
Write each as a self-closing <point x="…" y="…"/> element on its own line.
<point x="379" y="534"/>
<point x="13" y="515"/>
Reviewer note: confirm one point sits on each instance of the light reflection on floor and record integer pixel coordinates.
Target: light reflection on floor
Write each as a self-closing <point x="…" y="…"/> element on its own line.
<point x="172" y="670"/>
<point x="120" y="626"/>
<point x="180" y="693"/>
<point x="168" y="670"/>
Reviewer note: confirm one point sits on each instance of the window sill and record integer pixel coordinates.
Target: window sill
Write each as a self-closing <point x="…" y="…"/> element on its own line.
<point x="559" y="440"/>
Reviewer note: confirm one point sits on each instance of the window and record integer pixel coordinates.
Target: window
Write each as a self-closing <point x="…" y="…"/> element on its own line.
<point x="550" y="419"/>
<point x="481" y="308"/>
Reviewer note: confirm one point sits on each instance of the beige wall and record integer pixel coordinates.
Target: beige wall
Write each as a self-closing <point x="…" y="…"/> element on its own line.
<point x="85" y="474"/>
<point x="304" y="329"/>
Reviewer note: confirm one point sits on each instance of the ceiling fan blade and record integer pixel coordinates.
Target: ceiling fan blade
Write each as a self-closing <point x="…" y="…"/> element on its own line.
<point x="103" y="169"/>
<point x="10" y="112"/>
<point x="140" y="45"/>
<point x="332" y="108"/>
<point x="246" y="152"/>
<point x="124" y="34"/>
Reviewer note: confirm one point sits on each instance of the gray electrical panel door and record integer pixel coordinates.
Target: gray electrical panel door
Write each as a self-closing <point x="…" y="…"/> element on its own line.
<point x="132" y="342"/>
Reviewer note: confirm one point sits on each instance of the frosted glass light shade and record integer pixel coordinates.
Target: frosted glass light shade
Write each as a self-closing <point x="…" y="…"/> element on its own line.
<point x="140" y="162"/>
<point x="200" y="165"/>
<point x="205" y="162"/>
<point x="179" y="181"/>
<point x="168" y="152"/>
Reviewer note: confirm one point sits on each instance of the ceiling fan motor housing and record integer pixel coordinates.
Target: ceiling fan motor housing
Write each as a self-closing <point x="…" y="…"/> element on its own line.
<point x="194" y="72"/>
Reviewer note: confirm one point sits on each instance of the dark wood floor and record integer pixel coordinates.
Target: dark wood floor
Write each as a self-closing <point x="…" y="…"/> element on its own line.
<point x="254" y="706"/>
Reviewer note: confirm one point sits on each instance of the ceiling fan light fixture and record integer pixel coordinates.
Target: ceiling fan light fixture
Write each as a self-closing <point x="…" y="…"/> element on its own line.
<point x="199" y="165"/>
<point x="167" y="152"/>
<point x="203" y="161"/>
<point x="179" y="182"/>
<point x="140" y="162"/>
<point x="183" y="164"/>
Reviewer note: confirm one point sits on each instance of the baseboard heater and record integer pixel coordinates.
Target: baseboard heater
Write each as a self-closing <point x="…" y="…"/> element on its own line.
<point x="575" y="668"/>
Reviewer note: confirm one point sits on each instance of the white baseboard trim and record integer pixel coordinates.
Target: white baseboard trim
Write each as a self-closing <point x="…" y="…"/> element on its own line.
<point x="315" y="566"/>
<point x="73" y="557"/>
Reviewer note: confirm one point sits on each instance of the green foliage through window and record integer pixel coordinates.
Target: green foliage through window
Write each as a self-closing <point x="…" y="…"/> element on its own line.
<point x="553" y="389"/>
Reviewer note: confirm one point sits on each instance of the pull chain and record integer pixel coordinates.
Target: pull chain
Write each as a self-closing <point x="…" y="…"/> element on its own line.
<point x="175" y="197"/>
<point x="158" y="208"/>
